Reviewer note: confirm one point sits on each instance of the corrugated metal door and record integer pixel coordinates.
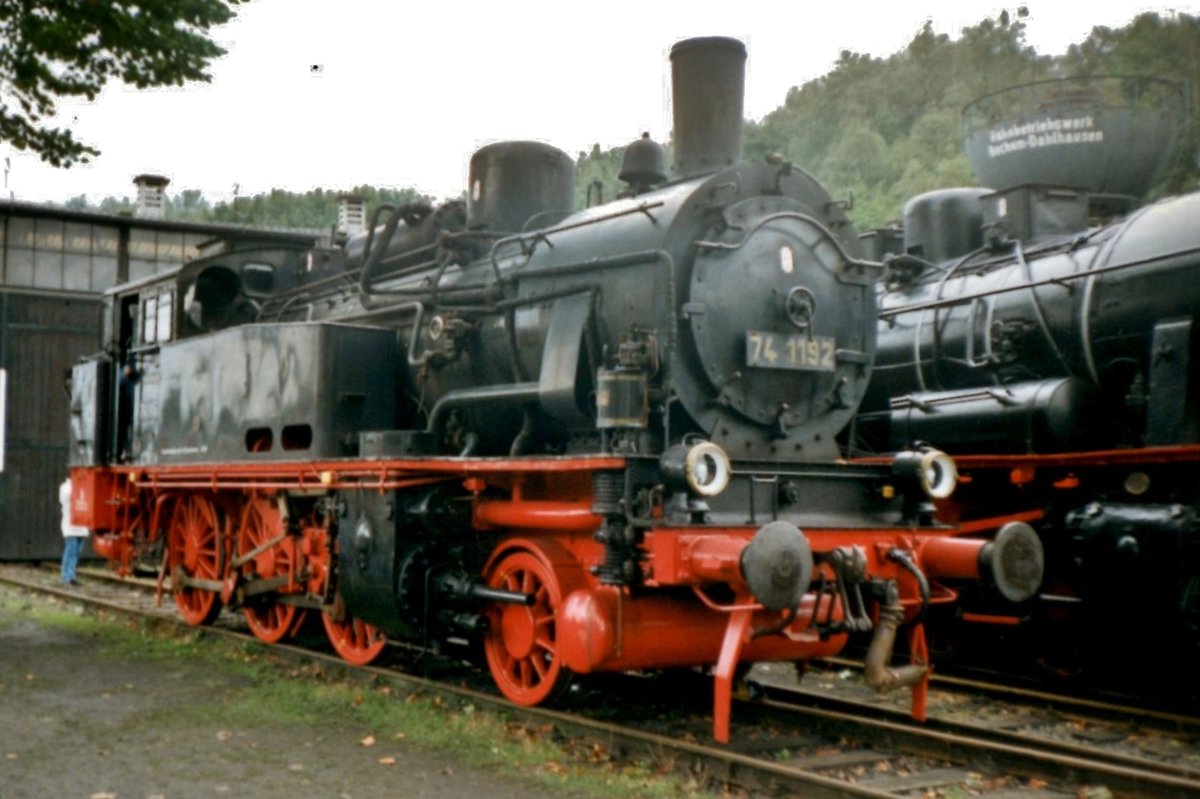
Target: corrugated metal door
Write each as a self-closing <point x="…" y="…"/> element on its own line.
<point x="40" y="337"/>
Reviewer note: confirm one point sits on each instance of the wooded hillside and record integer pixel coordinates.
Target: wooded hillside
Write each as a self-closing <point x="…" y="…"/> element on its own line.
<point x="883" y="129"/>
<point x="878" y="129"/>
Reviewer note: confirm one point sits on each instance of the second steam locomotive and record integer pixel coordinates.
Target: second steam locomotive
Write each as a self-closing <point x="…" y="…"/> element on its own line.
<point x="1045" y="336"/>
<point x="597" y="440"/>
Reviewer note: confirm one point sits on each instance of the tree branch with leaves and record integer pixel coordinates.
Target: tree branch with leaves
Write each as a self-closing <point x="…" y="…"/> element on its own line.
<point x="56" y="49"/>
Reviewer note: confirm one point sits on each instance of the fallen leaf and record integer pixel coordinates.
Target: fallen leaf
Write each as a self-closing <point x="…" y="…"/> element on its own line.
<point x="30" y="676"/>
<point x="449" y="772"/>
<point x="387" y="761"/>
<point x="400" y="736"/>
<point x="224" y="735"/>
<point x="11" y="756"/>
<point x="295" y="767"/>
<point x="1037" y="784"/>
<point x="1094" y="792"/>
<point x="368" y="741"/>
<point x="554" y="767"/>
<point x="103" y="795"/>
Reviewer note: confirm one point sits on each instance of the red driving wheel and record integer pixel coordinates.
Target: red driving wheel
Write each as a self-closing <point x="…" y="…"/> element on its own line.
<point x="194" y="552"/>
<point x="269" y="619"/>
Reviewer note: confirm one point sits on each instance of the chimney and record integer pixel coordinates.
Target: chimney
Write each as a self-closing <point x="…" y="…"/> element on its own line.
<point x="708" y="78"/>
<point x="150" y="199"/>
<point x="352" y="214"/>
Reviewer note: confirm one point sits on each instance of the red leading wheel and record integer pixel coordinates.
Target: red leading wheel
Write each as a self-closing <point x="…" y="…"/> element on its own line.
<point x="194" y="551"/>
<point x="521" y="644"/>
<point x="269" y="619"/>
<point x="354" y="640"/>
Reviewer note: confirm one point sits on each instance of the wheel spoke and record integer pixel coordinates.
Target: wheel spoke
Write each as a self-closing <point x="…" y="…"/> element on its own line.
<point x="523" y="673"/>
<point x="539" y="665"/>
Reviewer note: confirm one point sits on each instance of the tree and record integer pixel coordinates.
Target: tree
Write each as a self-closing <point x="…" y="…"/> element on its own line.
<point x="55" y="49"/>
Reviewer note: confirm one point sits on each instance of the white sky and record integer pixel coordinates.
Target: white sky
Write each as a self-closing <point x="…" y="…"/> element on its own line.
<point x="407" y="91"/>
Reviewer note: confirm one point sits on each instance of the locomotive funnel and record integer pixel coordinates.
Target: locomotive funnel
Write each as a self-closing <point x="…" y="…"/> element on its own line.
<point x="707" y="84"/>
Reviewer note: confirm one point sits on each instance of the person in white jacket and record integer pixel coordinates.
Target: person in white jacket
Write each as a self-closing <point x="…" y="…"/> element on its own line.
<point x="73" y="536"/>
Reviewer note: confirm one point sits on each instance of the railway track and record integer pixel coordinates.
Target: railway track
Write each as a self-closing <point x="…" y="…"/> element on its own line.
<point x="822" y="737"/>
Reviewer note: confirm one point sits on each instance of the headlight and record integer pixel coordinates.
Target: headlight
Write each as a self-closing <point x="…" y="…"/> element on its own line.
<point x="933" y="470"/>
<point x="702" y="468"/>
<point x="707" y="469"/>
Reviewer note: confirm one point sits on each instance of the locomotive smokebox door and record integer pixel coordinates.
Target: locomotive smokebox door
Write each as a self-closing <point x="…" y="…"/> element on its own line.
<point x="783" y="322"/>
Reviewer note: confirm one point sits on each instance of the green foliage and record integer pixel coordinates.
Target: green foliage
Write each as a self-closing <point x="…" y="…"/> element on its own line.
<point x="316" y="208"/>
<point x="72" y="48"/>
<point x="1160" y="46"/>
<point x="878" y="130"/>
<point x="596" y="176"/>
<point x="882" y="130"/>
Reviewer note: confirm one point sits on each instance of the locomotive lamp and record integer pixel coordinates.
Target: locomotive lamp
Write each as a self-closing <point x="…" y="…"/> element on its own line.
<point x="702" y="468"/>
<point x="933" y="470"/>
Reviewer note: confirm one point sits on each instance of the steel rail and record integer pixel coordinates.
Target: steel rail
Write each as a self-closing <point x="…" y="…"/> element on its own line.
<point x="1006" y="758"/>
<point x="788" y="697"/>
<point x="744" y="770"/>
<point x="1098" y="708"/>
<point x="725" y="763"/>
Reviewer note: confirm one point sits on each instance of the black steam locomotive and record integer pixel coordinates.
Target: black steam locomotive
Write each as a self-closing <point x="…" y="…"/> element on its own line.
<point x="1042" y="334"/>
<point x="592" y="440"/>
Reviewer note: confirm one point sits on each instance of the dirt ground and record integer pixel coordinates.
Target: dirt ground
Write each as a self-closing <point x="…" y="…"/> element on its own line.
<point x="75" y="722"/>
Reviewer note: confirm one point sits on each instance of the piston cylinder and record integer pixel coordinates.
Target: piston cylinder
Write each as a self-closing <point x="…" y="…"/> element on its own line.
<point x="601" y="630"/>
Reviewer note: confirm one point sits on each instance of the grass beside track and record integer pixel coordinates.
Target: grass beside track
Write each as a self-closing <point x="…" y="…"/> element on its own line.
<point x="261" y="690"/>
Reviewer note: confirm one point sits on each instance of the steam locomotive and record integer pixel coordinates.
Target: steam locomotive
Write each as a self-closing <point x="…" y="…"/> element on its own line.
<point x="1042" y="334"/>
<point x="597" y="440"/>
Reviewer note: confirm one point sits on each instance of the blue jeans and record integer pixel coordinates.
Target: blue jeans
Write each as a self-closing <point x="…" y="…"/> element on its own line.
<point x="72" y="546"/>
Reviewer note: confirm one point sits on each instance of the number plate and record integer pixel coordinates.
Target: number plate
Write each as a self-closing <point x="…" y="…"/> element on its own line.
<point x="777" y="351"/>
